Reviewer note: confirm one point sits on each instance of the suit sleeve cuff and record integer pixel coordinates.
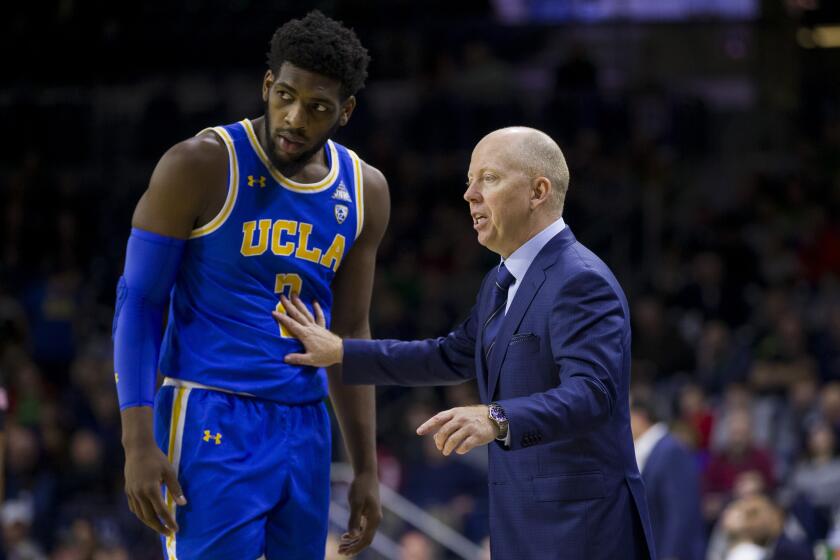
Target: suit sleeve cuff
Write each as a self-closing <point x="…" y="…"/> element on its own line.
<point x="521" y="432"/>
<point x="358" y="362"/>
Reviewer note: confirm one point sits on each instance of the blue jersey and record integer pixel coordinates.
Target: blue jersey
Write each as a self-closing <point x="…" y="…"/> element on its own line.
<point x="273" y="236"/>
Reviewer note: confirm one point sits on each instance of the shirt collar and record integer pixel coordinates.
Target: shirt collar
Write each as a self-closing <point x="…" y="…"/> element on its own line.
<point x="520" y="260"/>
<point x="647" y="441"/>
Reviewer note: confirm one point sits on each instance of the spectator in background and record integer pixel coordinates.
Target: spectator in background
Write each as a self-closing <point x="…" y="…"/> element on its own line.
<point x="798" y="415"/>
<point x="815" y="482"/>
<point x="658" y="349"/>
<point x="781" y="356"/>
<point x="736" y="397"/>
<point x="830" y="406"/>
<point x="672" y="485"/>
<point x="30" y="480"/>
<point x="18" y="543"/>
<point x="697" y="416"/>
<point x="739" y="456"/>
<point x="721" y="359"/>
<point x="754" y="531"/>
<point x="417" y="546"/>
<point x="827" y="345"/>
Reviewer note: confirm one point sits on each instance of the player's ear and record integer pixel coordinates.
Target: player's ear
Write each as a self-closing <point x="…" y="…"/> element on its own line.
<point x="347" y="110"/>
<point x="268" y="80"/>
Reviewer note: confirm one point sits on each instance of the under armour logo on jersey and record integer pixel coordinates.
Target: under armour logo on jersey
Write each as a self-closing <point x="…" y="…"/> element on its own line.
<point x="341" y="212"/>
<point x="341" y="193"/>
<point x="260" y="181"/>
<point x="207" y="437"/>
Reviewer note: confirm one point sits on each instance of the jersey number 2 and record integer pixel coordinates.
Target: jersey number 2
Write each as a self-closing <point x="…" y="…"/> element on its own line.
<point x="286" y="284"/>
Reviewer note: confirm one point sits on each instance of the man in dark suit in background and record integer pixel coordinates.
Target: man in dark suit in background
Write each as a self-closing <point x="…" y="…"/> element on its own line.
<point x="549" y="344"/>
<point x="672" y="483"/>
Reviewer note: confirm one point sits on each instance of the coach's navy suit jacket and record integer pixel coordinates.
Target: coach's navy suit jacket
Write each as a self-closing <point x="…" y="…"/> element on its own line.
<point x="568" y="488"/>
<point x="672" y="483"/>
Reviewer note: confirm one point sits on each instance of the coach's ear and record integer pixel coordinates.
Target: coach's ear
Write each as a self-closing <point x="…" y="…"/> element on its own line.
<point x="268" y="80"/>
<point x="347" y="110"/>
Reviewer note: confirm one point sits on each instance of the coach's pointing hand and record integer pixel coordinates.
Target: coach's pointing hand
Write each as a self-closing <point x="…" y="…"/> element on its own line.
<point x="460" y="429"/>
<point x="323" y="348"/>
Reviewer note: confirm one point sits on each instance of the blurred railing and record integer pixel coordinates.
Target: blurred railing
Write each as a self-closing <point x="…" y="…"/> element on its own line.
<point x="397" y="505"/>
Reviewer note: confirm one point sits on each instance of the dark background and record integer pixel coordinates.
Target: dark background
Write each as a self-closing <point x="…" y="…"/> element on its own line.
<point x="704" y="149"/>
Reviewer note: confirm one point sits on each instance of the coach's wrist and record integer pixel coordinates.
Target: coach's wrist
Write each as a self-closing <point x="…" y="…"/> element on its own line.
<point x="339" y="351"/>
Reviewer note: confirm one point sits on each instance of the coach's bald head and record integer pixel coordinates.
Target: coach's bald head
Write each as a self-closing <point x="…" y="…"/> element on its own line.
<point x="517" y="185"/>
<point x="537" y="155"/>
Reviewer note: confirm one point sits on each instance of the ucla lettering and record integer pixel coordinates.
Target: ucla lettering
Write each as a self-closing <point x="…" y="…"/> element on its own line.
<point x="288" y="237"/>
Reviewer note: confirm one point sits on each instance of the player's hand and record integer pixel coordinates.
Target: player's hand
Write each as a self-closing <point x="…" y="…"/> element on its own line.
<point x="460" y="429"/>
<point x="323" y="348"/>
<point x="365" y="514"/>
<point x="146" y="467"/>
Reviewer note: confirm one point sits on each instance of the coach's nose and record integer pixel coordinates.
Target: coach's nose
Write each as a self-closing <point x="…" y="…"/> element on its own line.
<point x="472" y="195"/>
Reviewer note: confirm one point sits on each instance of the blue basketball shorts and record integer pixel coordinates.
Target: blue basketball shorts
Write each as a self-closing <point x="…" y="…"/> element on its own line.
<point x="255" y="473"/>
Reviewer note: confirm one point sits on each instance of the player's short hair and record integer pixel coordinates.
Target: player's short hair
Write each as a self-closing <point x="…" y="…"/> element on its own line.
<point x="322" y="45"/>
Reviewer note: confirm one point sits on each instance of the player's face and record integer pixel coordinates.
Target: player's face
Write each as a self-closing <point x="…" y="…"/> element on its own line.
<point x="499" y="194"/>
<point x="302" y="110"/>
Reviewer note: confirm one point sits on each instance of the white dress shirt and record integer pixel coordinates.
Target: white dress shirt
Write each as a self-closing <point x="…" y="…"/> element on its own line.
<point x="520" y="260"/>
<point x="647" y="441"/>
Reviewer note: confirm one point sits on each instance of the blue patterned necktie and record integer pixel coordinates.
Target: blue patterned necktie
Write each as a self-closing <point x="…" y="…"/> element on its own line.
<point x="500" y="291"/>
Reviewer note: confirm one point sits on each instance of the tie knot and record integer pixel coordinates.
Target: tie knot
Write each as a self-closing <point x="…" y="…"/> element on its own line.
<point x="504" y="278"/>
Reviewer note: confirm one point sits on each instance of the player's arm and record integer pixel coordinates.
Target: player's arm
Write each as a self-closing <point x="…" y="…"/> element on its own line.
<point x="177" y="200"/>
<point x="355" y="406"/>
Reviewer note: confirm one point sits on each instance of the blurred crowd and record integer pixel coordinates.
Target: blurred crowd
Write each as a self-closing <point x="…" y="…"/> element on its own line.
<point x="725" y="238"/>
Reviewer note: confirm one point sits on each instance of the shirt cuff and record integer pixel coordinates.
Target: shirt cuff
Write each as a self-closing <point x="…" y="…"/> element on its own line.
<point x="506" y="440"/>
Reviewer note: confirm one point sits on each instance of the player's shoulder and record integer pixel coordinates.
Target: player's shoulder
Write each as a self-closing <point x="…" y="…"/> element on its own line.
<point x="195" y="153"/>
<point x="377" y="197"/>
<point x="373" y="177"/>
<point x="193" y="163"/>
<point x="377" y="203"/>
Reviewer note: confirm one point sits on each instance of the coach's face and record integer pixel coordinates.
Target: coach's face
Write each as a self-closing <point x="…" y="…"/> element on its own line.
<point x="302" y="110"/>
<point x="500" y="194"/>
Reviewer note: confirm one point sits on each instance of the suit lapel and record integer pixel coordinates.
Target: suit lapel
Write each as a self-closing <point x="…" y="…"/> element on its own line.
<point x="532" y="282"/>
<point x="534" y="279"/>
<point x="483" y="312"/>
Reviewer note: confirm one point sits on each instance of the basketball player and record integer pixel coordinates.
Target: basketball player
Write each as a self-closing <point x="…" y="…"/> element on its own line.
<point x="234" y="218"/>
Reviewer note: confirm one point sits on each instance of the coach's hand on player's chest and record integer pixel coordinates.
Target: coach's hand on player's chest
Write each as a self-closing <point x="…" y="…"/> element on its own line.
<point x="323" y="348"/>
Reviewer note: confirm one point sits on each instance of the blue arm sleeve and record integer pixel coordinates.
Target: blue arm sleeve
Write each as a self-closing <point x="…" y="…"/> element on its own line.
<point x="151" y="266"/>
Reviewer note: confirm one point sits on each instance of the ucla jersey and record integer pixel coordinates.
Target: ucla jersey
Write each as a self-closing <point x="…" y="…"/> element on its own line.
<point x="273" y="236"/>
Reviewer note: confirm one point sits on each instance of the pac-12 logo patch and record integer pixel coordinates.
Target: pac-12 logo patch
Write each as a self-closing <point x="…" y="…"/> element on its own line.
<point x="341" y="212"/>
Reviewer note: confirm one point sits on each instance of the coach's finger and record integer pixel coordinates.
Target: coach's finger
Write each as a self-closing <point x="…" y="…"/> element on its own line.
<point x="445" y="431"/>
<point x="435" y="422"/>
<point x="319" y="314"/>
<point x="299" y="359"/>
<point x="293" y="311"/>
<point x="289" y="323"/>
<point x="301" y="307"/>
<point x="455" y="439"/>
<point x="467" y="445"/>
